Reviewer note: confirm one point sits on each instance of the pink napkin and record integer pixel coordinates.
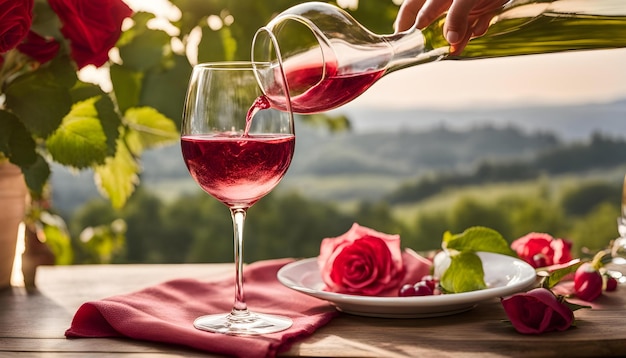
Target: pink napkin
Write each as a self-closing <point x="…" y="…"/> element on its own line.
<point x="165" y="313"/>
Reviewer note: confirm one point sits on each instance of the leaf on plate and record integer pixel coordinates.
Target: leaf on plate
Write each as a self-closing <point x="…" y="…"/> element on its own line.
<point x="464" y="274"/>
<point x="477" y="238"/>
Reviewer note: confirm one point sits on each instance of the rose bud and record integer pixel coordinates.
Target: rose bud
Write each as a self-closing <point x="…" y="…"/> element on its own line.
<point x="587" y="282"/>
<point x="537" y="311"/>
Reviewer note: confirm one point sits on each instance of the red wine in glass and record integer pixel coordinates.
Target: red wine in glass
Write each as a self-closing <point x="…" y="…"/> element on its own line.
<point x="236" y="170"/>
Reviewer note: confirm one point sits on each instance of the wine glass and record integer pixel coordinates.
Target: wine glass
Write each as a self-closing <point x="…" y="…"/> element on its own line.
<point x="237" y="148"/>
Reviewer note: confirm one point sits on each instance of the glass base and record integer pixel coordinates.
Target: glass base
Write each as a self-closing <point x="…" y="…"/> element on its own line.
<point x="247" y="323"/>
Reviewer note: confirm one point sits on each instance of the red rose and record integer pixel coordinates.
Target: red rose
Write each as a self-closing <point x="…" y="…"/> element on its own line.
<point x="587" y="282"/>
<point x="16" y="17"/>
<point x="39" y="48"/>
<point x="540" y="250"/>
<point x="361" y="261"/>
<point x="537" y="311"/>
<point x="93" y="27"/>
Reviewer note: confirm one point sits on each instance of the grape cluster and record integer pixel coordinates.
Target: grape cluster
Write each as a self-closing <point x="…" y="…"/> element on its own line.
<point x="427" y="286"/>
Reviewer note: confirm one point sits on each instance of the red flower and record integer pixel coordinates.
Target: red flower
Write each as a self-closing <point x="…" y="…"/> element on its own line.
<point x="537" y="311"/>
<point x="93" y="27"/>
<point x="16" y="17"/>
<point x="39" y="48"/>
<point x="540" y="250"/>
<point x="587" y="282"/>
<point x="361" y="261"/>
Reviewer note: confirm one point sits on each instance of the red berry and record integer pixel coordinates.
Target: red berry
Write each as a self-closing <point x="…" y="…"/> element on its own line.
<point x="611" y="284"/>
<point x="406" y="291"/>
<point x="431" y="281"/>
<point x="422" y="289"/>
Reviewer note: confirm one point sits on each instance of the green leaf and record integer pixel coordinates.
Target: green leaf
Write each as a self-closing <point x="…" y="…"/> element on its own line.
<point x="215" y="45"/>
<point x="557" y="275"/>
<point x="478" y="238"/>
<point x="39" y="100"/>
<point x="110" y="121"/>
<point x="118" y="177"/>
<point x="80" y="141"/>
<point x="15" y="141"/>
<point x="464" y="274"/>
<point x="83" y="91"/>
<point x="47" y="22"/>
<point x="107" y="115"/>
<point x="126" y="85"/>
<point x="148" y="128"/>
<point x="62" y="70"/>
<point x="157" y="88"/>
<point x="145" y="50"/>
<point x="36" y="176"/>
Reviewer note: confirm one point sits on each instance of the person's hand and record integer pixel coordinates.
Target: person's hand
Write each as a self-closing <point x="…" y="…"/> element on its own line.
<point x="465" y="18"/>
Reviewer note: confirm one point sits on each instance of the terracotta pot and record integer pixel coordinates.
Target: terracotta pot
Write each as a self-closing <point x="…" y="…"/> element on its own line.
<point x="12" y="208"/>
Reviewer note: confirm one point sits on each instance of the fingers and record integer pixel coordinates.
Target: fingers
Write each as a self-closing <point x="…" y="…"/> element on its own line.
<point x="431" y="10"/>
<point x="457" y="47"/>
<point x="456" y="27"/>
<point x="464" y="19"/>
<point x="481" y="25"/>
<point x="407" y="14"/>
<point x="421" y="13"/>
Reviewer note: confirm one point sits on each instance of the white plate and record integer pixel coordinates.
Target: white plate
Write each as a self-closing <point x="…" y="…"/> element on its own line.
<point x="504" y="276"/>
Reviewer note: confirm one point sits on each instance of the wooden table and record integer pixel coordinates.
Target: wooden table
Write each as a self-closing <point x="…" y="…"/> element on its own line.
<point x="33" y="323"/>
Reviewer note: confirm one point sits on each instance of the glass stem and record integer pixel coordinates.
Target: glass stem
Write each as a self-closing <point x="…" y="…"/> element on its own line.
<point x="239" y="216"/>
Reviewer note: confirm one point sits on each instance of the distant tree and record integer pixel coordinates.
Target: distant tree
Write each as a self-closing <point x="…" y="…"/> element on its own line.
<point x="595" y="230"/>
<point x="194" y="219"/>
<point x="200" y="229"/>
<point x="532" y="214"/>
<point x="601" y="152"/>
<point x="504" y="171"/>
<point x="93" y="213"/>
<point x="583" y="198"/>
<point x="467" y="212"/>
<point x="145" y="234"/>
<point x="428" y="231"/>
<point x="290" y="225"/>
<point x="379" y="217"/>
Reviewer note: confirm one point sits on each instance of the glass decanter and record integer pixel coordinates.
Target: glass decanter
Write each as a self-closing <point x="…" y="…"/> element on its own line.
<point x="329" y="58"/>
